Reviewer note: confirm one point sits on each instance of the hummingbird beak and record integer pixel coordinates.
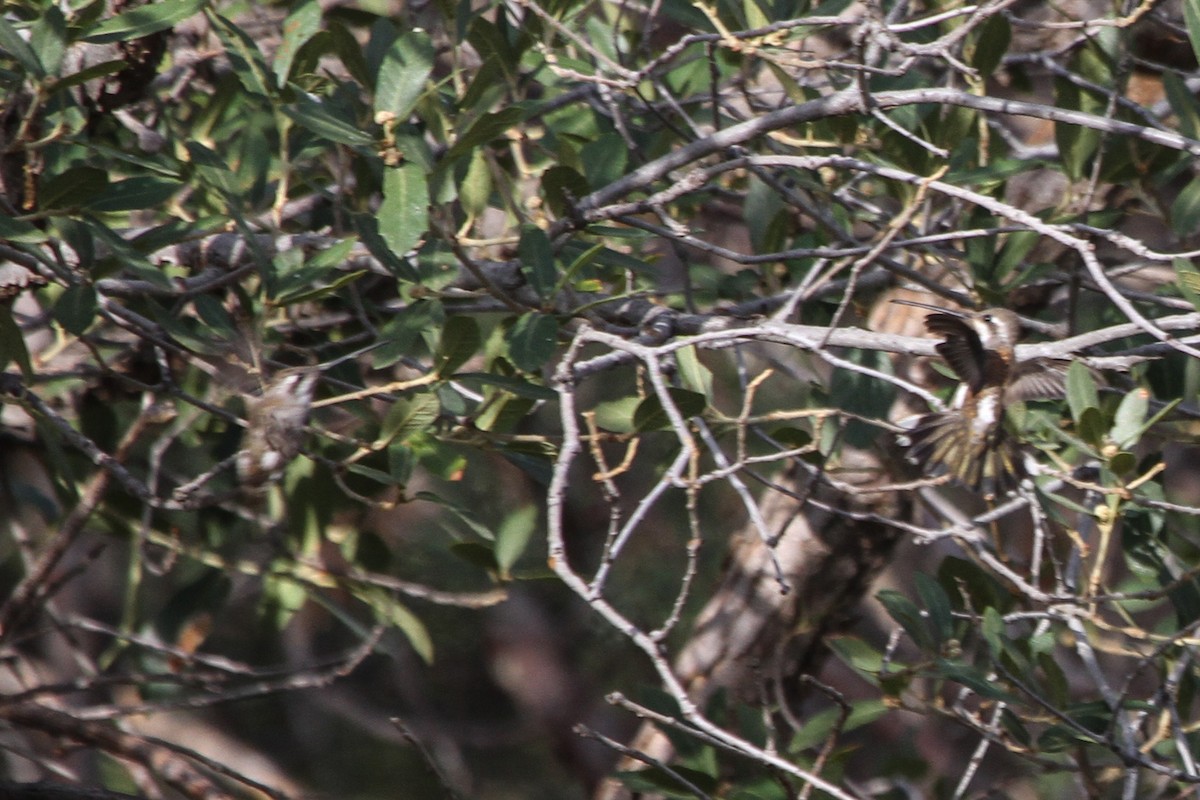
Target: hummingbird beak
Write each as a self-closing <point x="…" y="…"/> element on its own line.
<point x="915" y="304"/>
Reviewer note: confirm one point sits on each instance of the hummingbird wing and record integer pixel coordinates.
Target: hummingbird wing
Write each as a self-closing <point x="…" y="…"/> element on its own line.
<point x="1037" y="379"/>
<point x="960" y="347"/>
<point x="987" y="459"/>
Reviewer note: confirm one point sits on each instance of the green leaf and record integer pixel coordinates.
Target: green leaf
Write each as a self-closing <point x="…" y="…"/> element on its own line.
<point x="604" y="159"/>
<point x="1185" y="210"/>
<point x="1131" y="414"/>
<point x="14" y="44"/>
<point x="1183" y="103"/>
<point x="1188" y="280"/>
<point x="72" y="188"/>
<point x="937" y="605"/>
<point x="1076" y="144"/>
<point x="1191" y="16"/>
<point x="403" y="74"/>
<point x="650" y="415"/>
<point x="993" y="630"/>
<point x="905" y="612"/>
<point x="484" y="130"/>
<point x="367" y="227"/>
<point x="144" y="20"/>
<point x="863" y="395"/>
<point x="461" y="340"/>
<point x="755" y="17"/>
<point x="991" y="43"/>
<point x="408" y="623"/>
<point x="76" y="308"/>
<point x="513" y="536"/>
<point x="12" y="343"/>
<point x="1081" y="390"/>
<point x="133" y="194"/>
<point x="48" y="38"/>
<point x="244" y="55"/>
<point x="537" y="260"/>
<point x="692" y="372"/>
<point x="562" y="187"/>
<point x="532" y="341"/>
<point x="18" y="230"/>
<point x="1091" y="427"/>
<point x="323" y="120"/>
<point x="660" y="783"/>
<point x="317" y="292"/>
<point x="303" y="21"/>
<point x="477" y="554"/>
<point x="407" y="417"/>
<point x="475" y="188"/>
<point x="404" y="212"/>
<point x="857" y="653"/>
<point x="510" y="383"/>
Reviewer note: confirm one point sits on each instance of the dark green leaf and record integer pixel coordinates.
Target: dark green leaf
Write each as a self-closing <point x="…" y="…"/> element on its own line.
<point x="476" y="553"/>
<point x="651" y="416"/>
<point x="562" y="188"/>
<point x="12" y="343"/>
<point x="991" y="44"/>
<point x="973" y="678"/>
<point x="1185" y="211"/>
<point x="461" y="340"/>
<point x="658" y="782"/>
<point x="532" y="340"/>
<point x="73" y="188"/>
<point x="937" y="605"/>
<point x="537" y="261"/>
<point x="1183" y="103"/>
<point x="980" y="586"/>
<point x="404" y="213"/>
<point x="604" y="159"/>
<point x="1076" y="144"/>
<point x="905" y="612"/>
<point x="516" y="385"/>
<point x="323" y="119"/>
<point x="18" y="230"/>
<point x="367" y="227"/>
<point x="484" y="129"/>
<point x="136" y="193"/>
<point x="317" y="292"/>
<point x="144" y="20"/>
<point x="862" y="394"/>
<point x="245" y="57"/>
<point x="76" y="308"/>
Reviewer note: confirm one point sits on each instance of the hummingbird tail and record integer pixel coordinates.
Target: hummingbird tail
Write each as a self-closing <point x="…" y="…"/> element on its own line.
<point x="988" y="460"/>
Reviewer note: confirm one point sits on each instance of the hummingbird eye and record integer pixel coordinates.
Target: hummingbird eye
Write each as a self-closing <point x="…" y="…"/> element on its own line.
<point x="987" y="317"/>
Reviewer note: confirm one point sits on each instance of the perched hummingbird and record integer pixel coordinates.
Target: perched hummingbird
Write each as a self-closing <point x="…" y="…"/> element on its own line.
<point x="970" y="439"/>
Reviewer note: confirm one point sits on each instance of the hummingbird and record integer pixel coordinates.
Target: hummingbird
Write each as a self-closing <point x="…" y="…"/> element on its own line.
<point x="275" y="428"/>
<point x="971" y="439"/>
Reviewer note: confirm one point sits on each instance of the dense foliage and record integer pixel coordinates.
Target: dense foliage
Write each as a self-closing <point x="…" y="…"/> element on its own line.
<point x="430" y="394"/>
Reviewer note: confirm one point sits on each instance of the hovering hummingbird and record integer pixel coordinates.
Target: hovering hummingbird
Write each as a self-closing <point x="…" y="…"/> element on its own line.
<point x="970" y="439"/>
<point x="275" y="430"/>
